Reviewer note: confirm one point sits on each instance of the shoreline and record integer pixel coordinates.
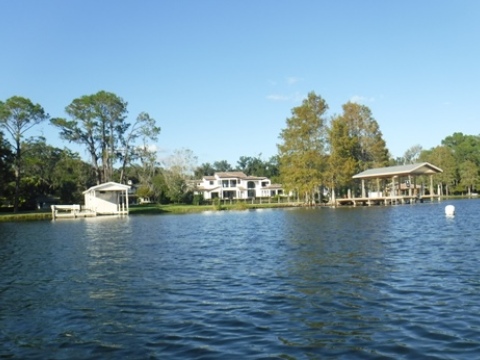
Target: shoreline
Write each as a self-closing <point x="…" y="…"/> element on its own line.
<point x="151" y="210"/>
<point x="157" y="209"/>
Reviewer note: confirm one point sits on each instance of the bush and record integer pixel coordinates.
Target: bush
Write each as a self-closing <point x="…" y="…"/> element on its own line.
<point x="217" y="204"/>
<point x="198" y="199"/>
<point x="240" y="205"/>
<point x="188" y="198"/>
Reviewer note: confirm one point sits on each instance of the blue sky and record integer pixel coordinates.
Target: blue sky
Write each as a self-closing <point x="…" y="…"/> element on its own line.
<point x="221" y="77"/>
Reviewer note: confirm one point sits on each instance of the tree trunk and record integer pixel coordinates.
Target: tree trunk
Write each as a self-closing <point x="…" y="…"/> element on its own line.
<point x="16" y="200"/>
<point x="18" y="161"/>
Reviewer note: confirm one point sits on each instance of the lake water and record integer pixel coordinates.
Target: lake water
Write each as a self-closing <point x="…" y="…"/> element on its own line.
<point x="347" y="283"/>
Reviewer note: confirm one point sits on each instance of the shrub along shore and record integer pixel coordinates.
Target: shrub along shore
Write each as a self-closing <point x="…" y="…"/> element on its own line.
<point x="150" y="209"/>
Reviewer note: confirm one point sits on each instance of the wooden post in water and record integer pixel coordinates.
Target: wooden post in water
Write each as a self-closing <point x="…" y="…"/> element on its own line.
<point x="392" y="193"/>
<point x="431" y="187"/>
<point x="126" y="199"/>
<point x="409" y="186"/>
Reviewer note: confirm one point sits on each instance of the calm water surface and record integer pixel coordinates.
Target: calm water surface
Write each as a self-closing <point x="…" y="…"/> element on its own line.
<point x="399" y="282"/>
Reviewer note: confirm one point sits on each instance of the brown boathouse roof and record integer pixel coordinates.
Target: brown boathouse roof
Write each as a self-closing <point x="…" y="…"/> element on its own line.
<point x="401" y="170"/>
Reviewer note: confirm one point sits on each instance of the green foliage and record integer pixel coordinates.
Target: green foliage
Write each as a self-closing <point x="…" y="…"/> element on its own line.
<point x="198" y="199"/>
<point x="341" y="163"/>
<point x="310" y="153"/>
<point x="222" y="166"/>
<point x="144" y="192"/>
<point x="411" y="155"/>
<point x="54" y="173"/>
<point x="464" y="147"/>
<point x="442" y="157"/>
<point x="176" y="188"/>
<point x="217" y="204"/>
<point x="17" y="116"/>
<point x="469" y="175"/>
<point x="6" y="169"/>
<point x="240" y="205"/>
<point x="160" y="189"/>
<point x="188" y="197"/>
<point x="355" y="144"/>
<point x="366" y="144"/>
<point x="98" y="122"/>
<point x="302" y="149"/>
<point x="206" y="169"/>
<point x="179" y="169"/>
<point x="252" y="165"/>
<point x="459" y="158"/>
<point x="255" y="166"/>
<point x="144" y="128"/>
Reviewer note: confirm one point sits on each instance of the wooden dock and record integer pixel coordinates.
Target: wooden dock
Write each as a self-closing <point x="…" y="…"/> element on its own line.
<point x="385" y="200"/>
<point x="70" y="211"/>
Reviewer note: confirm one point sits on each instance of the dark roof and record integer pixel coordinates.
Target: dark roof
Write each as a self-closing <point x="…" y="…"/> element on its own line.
<point x="401" y="170"/>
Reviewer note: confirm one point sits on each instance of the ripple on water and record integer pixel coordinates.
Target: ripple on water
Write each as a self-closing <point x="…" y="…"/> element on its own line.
<point x="371" y="283"/>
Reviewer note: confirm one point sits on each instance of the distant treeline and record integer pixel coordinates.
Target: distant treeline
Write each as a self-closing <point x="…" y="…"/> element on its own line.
<point x="313" y="151"/>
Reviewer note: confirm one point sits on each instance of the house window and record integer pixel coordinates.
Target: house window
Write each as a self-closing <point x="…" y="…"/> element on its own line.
<point x="233" y="183"/>
<point x="225" y="183"/>
<point x="264" y="183"/>
<point x="211" y="182"/>
<point x="214" y="195"/>
<point x="229" y="194"/>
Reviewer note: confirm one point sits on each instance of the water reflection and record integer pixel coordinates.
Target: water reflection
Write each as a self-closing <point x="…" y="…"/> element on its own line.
<point x="333" y="266"/>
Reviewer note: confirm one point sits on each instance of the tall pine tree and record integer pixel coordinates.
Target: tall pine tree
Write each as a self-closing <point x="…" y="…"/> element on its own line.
<point x="302" y="156"/>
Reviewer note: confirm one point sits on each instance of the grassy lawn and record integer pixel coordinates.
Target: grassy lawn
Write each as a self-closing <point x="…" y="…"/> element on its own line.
<point x="166" y="209"/>
<point x="149" y="209"/>
<point x="26" y="215"/>
<point x="183" y="209"/>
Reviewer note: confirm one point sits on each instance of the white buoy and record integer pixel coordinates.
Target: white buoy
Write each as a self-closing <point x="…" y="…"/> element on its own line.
<point x="449" y="210"/>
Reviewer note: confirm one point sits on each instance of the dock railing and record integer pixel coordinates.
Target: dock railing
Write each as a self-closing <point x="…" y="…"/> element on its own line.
<point x="70" y="211"/>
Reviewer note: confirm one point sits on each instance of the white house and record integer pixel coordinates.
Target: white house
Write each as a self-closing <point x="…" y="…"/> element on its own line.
<point x="107" y="198"/>
<point x="235" y="185"/>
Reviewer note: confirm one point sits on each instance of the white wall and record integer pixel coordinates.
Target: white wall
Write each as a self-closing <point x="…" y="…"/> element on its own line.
<point x="103" y="203"/>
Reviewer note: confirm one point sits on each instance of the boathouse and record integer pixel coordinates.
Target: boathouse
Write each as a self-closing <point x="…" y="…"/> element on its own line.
<point x="107" y="199"/>
<point x="393" y="185"/>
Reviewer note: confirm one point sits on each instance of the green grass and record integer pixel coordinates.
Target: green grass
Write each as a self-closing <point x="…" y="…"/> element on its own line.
<point x="26" y="216"/>
<point x="185" y="209"/>
<point x="153" y="209"/>
<point x="166" y="209"/>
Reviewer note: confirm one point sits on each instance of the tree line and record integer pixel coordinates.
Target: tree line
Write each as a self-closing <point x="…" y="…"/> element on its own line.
<point x="34" y="172"/>
<point x="313" y="150"/>
<point x="316" y="151"/>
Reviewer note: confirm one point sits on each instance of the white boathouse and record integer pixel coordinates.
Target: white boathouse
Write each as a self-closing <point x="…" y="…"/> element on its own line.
<point x="110" y="198"/>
